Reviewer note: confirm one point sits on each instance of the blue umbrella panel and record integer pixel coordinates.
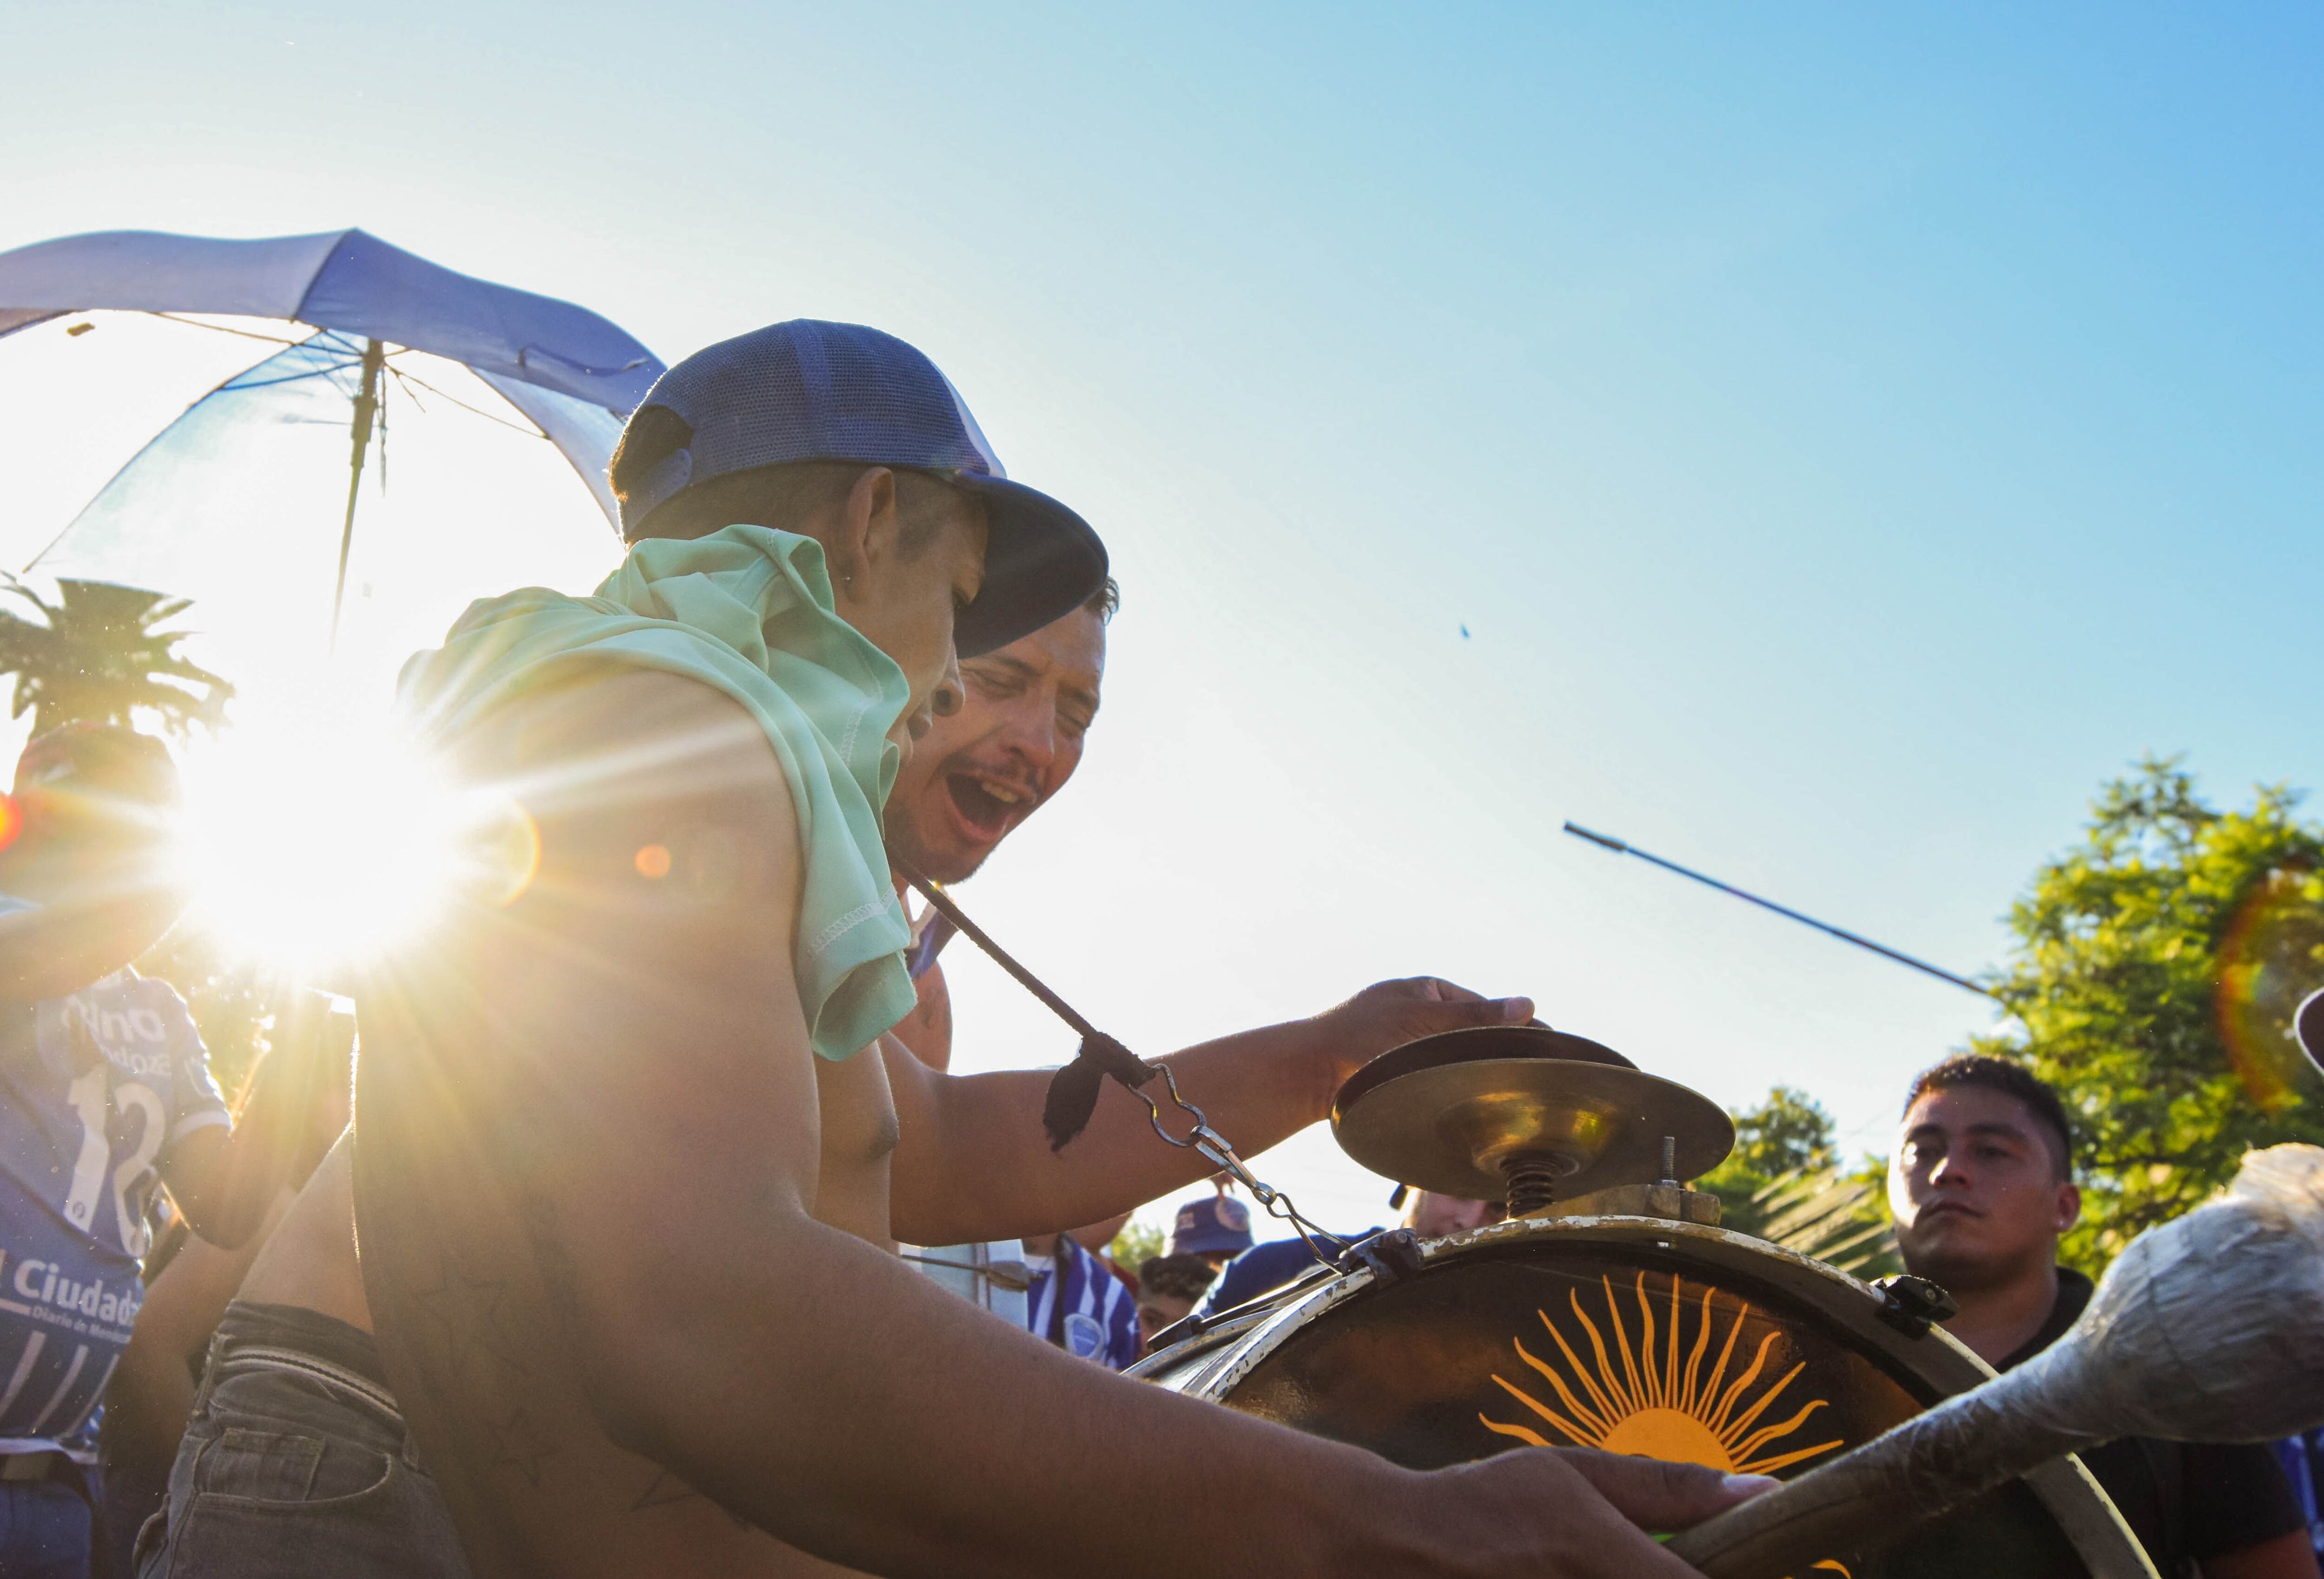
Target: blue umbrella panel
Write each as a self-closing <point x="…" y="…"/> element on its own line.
<point x="463" y="489"/>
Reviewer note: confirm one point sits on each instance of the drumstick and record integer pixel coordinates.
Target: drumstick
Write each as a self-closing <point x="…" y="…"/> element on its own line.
<point x="2209" y="1328"/>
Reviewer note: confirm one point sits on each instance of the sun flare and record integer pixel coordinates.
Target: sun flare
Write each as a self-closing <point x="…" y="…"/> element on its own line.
<point x="318" y="844"/>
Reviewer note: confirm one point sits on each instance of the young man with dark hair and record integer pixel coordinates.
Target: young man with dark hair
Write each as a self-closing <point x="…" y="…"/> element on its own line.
<point x="627" y="1190"/>
<point x="1168" y="1286"/>
<point x="1981" y="1186"/>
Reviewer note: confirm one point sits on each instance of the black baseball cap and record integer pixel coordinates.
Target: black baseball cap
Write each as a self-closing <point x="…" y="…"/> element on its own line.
<point x="2308" y="1024"/>
<point x="812" y="391"/>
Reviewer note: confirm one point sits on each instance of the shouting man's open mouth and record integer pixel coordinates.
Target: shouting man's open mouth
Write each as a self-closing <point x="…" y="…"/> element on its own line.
<point x="990" y="804"/>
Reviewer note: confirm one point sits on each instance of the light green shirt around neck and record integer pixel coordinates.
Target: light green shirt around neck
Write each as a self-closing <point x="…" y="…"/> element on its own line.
<point x="748" y="610"/>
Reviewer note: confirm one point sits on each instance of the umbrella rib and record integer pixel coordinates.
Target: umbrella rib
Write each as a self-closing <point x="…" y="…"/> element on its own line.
<point x="402" y="377"/>
<point x="288" y="378"/>
<point x="222" y="329"/>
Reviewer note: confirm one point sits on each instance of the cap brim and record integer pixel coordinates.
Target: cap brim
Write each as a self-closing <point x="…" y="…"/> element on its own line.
<point x="2308" y="1024"/>
<point x="1041" y="563"/>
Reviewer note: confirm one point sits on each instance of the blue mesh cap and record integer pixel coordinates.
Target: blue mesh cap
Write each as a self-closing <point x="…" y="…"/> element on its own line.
<point x="810" y="390"/>
<point x="1211" y="1225"/>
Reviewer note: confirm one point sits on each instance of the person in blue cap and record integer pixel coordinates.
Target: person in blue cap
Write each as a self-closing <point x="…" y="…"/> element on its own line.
<point x="1265" y="1268"/>
<point x="625" y="1189"/>
<point x="1215" y="1226"/>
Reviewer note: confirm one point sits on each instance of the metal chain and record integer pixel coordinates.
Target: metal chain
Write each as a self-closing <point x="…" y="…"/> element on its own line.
<point x="1202" y="1140"/>
<point x="1214" y="1147"/>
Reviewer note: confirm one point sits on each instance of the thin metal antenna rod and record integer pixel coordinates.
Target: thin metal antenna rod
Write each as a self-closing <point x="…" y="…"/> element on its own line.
<point x="374" y="357"/>
<point x="1620" y="847"/>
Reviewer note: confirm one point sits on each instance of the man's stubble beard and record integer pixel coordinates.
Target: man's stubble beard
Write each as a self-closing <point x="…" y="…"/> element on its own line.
<point x="1961" y="1268"/>
<point x="904" y="844"/>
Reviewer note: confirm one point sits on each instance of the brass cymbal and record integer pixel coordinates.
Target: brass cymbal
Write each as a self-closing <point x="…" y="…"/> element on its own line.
<point x="1476" y="1113"/>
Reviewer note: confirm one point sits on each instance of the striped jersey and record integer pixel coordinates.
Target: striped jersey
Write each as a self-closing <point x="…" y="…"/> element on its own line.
<point x="95" y="1087"/>
<point x="1082" y="1308"/>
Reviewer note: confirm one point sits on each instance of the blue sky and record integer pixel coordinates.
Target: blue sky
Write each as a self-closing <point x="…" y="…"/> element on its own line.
<point x="1846" y="438"/>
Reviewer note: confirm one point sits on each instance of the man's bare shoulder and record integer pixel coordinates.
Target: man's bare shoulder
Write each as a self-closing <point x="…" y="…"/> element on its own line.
<point x="658" y="805"/>
<point x="603" y="722"/>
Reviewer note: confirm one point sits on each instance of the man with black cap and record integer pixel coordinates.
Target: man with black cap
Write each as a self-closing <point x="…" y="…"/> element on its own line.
<point x="625" y="1190"/>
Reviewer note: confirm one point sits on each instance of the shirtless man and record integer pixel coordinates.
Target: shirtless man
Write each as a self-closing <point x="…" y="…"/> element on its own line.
<point x="625" y="1198"/>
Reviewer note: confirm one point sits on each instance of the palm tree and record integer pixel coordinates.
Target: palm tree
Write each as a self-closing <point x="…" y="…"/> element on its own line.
<point x="98" y="653"/>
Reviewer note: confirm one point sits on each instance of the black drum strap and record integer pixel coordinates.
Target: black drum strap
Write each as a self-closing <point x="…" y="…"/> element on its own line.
<point x="1072" y="1091"/>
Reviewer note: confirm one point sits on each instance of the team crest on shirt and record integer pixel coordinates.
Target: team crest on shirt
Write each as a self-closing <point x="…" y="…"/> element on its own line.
<point x="1084" y="1335"/>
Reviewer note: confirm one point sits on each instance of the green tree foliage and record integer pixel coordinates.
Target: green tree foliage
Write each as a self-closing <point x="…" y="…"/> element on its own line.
<point x="1782" y="1183"/>
<point x="1135" y="1245"/>
<point x="98" y="653"/>
<point x="2155" y="970"/>
<point x="1786" y="1135"/>
<point x="1789" y="1130"/>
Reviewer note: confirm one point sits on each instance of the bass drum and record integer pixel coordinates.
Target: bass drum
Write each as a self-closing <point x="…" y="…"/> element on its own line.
<point x="1637" y="1334"/>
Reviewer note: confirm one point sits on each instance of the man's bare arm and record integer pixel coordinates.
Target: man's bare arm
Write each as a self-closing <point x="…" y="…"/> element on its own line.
<point x="586" y="1154"/>
<point x="225" y="1181"/>
<point x="973" y="1164"/>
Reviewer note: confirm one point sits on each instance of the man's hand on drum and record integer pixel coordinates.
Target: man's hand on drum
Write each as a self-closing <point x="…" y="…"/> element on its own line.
<point x="1574" y="1513"/>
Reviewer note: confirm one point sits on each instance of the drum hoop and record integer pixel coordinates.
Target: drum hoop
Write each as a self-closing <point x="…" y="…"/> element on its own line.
<point x="1934" y="1359"/>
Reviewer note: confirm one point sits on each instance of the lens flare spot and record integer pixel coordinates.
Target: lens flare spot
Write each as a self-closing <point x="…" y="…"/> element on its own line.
<point x="2272" y="958"/>
<point x="12" y="820"/>
<point x="653" y="861"/>
<point x="501" y="849"/>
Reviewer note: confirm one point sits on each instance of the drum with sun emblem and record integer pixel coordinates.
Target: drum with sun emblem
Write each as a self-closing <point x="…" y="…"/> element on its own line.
<point x="1645" y="1333"/>
<point x="1637" y="1334"/>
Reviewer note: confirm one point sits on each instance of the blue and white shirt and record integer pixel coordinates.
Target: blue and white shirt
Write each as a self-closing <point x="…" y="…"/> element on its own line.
<point x="2302" y="1457"/>
<point x="1081" y="1308"/>
<point x="94" y="1088"/>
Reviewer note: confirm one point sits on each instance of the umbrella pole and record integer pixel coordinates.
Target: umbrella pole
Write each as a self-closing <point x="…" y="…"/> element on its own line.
<point x="374" y="357"/>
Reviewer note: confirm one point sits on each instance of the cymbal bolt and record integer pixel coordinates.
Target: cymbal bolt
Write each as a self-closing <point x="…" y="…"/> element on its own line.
<point x="1532" y="1178"/>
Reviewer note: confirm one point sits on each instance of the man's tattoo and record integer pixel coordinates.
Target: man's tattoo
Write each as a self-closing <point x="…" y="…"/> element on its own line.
<point x="666" y="1489"/>
<point x="560" y="1274"/>
<point x="663" y="1490"/>
<point x="466" y="1313"/>
<point x="519" y="1445"/>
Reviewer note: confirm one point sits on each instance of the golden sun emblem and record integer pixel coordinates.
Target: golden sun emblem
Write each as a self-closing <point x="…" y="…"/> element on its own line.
<point x="1652" y="1404"/>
